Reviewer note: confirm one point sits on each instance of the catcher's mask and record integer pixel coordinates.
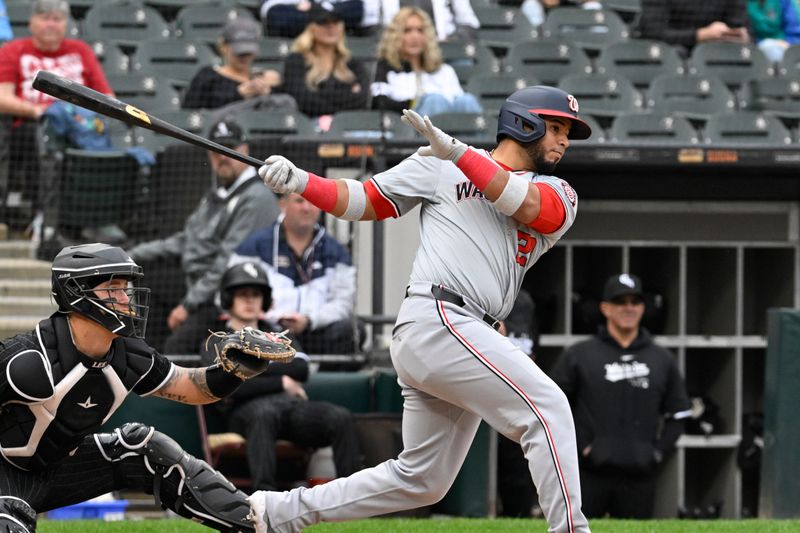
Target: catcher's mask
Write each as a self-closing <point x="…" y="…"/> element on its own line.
<point x="247" y="274"/>
<point x="78" y="270"/>
<point x="521" y="115"/>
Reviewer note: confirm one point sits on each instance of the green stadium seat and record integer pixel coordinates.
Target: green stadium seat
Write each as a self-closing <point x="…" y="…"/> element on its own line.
<point x="111" y="57"/>
<point x="733" y="63"/>
<point x="477" y="127"/>
<point x="590" y="29"/>
<point x="746" y="128"/>
<point x="469" y="59"/>
<point x="501" y="26"/>
<point x="695" y="97"/>
<point x="628" y="10"/>
<point x="790" y="64"/>
<point x="598" y="131"/>
<point x="493" y="89"/>
<point x="191" y="120"/>
<point x="652" y="128"/>
<point x="774" y="96"/>
<point x="365" y="124"/>
<point x="175" y="60"/>
<point x="549" y="61"/>
<point x="146" y="92"/>
<point x="603" y="96"/>
<point x="639" y="60"/>
<point x="204" y="22"/>
<point x="272" y="51"/>
<point x="126" y="24"/>
<point x="275" y="123"/>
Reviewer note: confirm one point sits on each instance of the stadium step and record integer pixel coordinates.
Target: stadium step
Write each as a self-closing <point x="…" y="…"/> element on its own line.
<point x="24" y="269"/>
<point x="10" y="326"/>
<point x="16" y="249"/>
<point x="26" y="306"/>
<point x="25" y="287"/>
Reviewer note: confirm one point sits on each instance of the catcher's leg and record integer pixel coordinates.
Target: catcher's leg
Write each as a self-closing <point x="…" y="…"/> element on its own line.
<point x="181" y="482"/>
<point x="16" y="516"/>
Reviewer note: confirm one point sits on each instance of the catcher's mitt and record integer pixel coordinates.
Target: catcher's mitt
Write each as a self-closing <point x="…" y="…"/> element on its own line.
<point x="247" y="352"/>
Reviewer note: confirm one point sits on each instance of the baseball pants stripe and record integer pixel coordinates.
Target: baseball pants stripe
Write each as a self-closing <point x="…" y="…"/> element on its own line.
<point x="508" y="381"/>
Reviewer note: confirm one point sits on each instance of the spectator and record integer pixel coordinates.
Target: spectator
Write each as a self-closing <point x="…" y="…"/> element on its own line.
<point x="629" y="402"/>
<point x="536" y="10"/>
<point x="236" y="205"/>
<point x="214" y="87"/>
<point x="288" y="18"/>
<point x="5" y="24"/>
<point x="775" y="24"/>
<point x="684" y="23"/>
<point x="452" y="19"/>
<point x="274" y="405"/>
<point x="312" y="277"/>
<point x="47" y="48"/>
<point x="411" y="73"/>
<point x="320" y="73"/>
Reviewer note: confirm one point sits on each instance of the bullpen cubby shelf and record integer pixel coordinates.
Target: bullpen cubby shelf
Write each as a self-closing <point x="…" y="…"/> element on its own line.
<point x="715" y="268"/>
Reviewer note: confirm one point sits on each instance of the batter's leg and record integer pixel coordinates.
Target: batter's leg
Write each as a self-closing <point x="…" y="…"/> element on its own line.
<point x="436" y="436"/>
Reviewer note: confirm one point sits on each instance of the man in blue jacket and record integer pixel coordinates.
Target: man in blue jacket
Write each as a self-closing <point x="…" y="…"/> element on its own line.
<point x="629" y="402"/>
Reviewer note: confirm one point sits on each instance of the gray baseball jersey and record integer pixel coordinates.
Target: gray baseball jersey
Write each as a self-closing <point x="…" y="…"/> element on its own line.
<point x="454" y="369"/>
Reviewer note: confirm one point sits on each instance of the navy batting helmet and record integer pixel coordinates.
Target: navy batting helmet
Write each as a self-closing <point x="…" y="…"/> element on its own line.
<point x="521" y="114"/>
<point x="77" y="270"/>
<point x="247" y="274"/>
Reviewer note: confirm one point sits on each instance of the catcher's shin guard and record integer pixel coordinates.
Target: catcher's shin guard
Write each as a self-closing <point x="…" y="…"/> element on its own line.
<point x="202" y="493"/>
<point x="16" y="516"/>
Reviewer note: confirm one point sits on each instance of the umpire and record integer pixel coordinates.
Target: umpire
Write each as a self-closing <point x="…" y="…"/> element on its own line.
<point x="62" y="381"/>
<point x="629" y="402"/>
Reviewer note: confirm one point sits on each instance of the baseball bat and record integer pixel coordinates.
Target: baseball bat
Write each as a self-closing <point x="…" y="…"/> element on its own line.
<point x="83" y="96"/>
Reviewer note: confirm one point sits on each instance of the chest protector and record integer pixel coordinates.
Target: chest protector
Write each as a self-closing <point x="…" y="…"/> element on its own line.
<point x="53" y="395"/>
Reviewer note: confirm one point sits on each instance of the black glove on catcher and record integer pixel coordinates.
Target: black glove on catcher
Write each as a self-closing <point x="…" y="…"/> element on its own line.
<point x="247" y="352"/>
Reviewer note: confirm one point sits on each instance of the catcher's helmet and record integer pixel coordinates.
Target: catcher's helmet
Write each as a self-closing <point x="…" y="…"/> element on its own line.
<point x="526" y="108"/>
<point x="247" y="274"/>
<point x="78" y="269"/>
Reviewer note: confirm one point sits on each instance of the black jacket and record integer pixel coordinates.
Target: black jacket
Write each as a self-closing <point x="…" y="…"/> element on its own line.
<point x="628" y="403"/>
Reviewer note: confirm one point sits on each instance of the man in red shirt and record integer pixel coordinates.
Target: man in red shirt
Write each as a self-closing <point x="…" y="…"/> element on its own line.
<point x="48" y="49"/>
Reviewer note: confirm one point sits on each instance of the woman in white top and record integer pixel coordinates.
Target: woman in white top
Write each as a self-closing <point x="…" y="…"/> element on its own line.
<point x="411" y="74"/>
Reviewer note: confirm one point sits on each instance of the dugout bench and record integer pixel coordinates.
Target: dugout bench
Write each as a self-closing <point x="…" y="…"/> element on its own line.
<point x="374" y="398"/>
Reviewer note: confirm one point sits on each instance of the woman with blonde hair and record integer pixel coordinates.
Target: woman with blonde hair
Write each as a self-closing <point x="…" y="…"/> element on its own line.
<point x="234" y="80"/>
<point x="411" y="74"/>
<point x="320" y="73"/>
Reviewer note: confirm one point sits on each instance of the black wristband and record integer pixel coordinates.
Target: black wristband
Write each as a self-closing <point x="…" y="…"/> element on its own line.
<point x="220" y="383"/>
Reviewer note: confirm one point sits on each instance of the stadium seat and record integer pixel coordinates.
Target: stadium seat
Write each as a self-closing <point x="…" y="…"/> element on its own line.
<point x="549" y="61"/>
<point x="790" y="64"/>
<point x="150" y="140"/>
<point x="695" y="97"/>
<point x="365" y="124"/>
<point x="733" y="63"/>
<point x="204" y="22"/>
<point x="639" y="60"/>
<point x="191" y="120"/>
<point x="598" y="131"/>
<point x="775" y="96"/>
<point x="500" y="26"/>
<point x="275" y="123"/>
<point x="174" y="60"/>
<point x="746" y="128"/>
<point x="652" y="128"/>
<point x="365" y="50"/>
<point x="126" y="24"/>
<point x="602" y="96"/>
<point x="477" y="126"/>
<point x="493" y="89"/>
<point x="469" y="59"/>
<point x="628" y="10"/>
<point x="590" y="29"/>
<point x="145" y="92"/>
<point x="169" y="8"/>
<point x="20" y="13"/>
<point x="120" y="134"/>
<point x="272" y="52"/>
<point x="113" y="60"/>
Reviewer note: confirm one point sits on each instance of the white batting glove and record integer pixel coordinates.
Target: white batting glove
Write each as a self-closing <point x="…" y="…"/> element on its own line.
<point x="442" y="145"/>
<point x="280" y="175"/>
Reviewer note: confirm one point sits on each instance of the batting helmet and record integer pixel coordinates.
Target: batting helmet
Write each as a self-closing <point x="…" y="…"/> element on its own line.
<point x="526" y="107"/>
<point x="247" y="274"/>
<point x="78" y="269"/>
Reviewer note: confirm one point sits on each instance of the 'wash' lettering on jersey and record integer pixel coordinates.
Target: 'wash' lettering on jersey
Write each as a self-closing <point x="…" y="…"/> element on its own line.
<point x="466" y="190"/>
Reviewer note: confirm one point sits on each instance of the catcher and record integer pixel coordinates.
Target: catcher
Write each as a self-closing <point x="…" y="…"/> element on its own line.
<point x="60" y="382"/>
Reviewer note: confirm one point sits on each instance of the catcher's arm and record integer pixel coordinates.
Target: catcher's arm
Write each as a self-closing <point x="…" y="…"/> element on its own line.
<point x="241" y="355"/>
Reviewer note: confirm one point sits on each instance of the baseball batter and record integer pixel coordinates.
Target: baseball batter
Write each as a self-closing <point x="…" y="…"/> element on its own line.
<point x="486" y="218"/>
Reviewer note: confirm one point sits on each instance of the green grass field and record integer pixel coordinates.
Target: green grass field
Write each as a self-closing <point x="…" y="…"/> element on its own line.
<point x="460" y="525"/>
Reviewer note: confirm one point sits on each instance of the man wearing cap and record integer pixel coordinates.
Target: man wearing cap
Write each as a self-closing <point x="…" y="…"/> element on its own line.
<point x="20" y="59"/>
<point x="629" y="402"/>
<point x="288" y="18"/>
<point x="237" y="204"/>
<point x="233" y="81"/>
